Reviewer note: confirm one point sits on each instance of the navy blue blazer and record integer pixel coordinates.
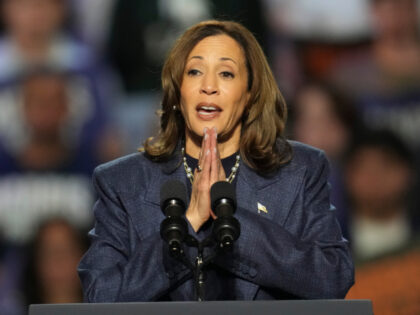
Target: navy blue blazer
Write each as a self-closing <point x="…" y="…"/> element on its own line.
<point x="293" y="249"/>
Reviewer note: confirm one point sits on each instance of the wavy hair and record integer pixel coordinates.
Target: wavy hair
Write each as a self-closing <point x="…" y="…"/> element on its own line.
<point x="263" y="146"/>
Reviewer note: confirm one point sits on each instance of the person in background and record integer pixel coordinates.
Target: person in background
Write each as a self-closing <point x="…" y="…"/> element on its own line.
<point x="34" y="36"/>
<point x="326" y="119"/>
<point x="51" y="275"/>
<point x="385" y="242"/>
<point x="379" y="176"/>
<point x="48" y="168"/>
<point x="54" y="116"/>
<point x="384" y="78"/>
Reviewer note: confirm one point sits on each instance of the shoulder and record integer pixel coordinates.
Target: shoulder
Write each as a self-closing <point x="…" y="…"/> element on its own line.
<point x="304" y="155"/>
<point x="306" y="161"/>
<point x="128" y="171"/>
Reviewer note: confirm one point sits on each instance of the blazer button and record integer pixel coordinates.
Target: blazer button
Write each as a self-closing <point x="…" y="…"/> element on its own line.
<point x="252" y="272"/>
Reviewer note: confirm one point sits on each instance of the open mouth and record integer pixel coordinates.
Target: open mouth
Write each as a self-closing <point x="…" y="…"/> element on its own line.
<point x="208" y="111"/>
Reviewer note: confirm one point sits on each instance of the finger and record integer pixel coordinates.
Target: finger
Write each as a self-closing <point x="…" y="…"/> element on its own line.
<point x="206" y="164"/>
<point x="203" y="144"/>
<point x="213" y="215"/>
<point x="215" y="160"/>
<point x="203" y="147"/>
<point x="222" y="174"/>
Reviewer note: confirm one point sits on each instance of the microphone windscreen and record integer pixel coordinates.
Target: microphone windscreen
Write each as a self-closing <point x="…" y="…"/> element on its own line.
<point x="221" y="190"/>
<point x="173" y="189"/>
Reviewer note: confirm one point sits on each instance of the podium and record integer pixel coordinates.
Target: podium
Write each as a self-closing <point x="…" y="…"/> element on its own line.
<point x="298" y="307"/>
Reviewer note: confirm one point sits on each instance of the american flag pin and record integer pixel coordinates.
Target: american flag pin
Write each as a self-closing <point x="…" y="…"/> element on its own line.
<point x="261" y="208"/>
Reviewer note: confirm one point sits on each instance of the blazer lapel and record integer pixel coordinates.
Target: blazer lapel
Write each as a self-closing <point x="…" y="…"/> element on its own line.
<point x="262" y="196"/>
<point x="144" y="206"/>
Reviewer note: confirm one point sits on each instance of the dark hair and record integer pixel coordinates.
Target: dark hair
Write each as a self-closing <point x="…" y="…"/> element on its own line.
<point x="262" y="144"/>
<point x="32" y="285"/>
<point x="384" y="140"/>
<point x="342" y="108"/>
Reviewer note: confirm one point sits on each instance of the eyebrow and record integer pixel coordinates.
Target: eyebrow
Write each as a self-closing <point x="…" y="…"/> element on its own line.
<point x="222" y="58"/>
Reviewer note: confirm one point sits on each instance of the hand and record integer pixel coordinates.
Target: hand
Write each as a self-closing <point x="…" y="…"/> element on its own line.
<point x="199" y="210"/>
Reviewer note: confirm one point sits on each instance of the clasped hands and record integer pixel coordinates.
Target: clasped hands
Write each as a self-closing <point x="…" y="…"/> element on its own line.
<point x="199" y="210"/>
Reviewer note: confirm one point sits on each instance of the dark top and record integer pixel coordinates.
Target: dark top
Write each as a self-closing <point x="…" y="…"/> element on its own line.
<point x="290" y="245"/>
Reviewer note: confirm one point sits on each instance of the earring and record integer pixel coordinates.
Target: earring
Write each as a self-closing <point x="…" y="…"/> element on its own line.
<point x="174" y="107"/>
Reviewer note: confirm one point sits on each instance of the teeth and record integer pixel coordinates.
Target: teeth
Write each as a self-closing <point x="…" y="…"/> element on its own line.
<point x="208" y="107"/>
<point x="205" y="113"/>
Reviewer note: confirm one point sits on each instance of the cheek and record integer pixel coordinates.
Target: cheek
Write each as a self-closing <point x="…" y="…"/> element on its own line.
<point x="187" y="98"/>
<point x="240" y="104"/>
<point x="185" y="108"/>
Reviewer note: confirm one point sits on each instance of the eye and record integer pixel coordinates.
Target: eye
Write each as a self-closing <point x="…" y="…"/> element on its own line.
<point x="193" y="72"/>
<point x="227" y="74"/>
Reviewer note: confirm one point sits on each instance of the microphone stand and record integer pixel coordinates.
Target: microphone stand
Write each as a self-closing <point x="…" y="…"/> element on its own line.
<point x="199" y="274"/>
<point x="201" y="261"/>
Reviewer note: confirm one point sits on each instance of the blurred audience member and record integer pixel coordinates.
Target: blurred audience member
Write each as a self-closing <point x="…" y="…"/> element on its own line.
<point x="45" y="112"/>
<point x="306" y="36"/>
<point x="58" y="125"/>
<point x="392" y="283"/>
<point x="379" y="175"/>
<point x="34" y="37"/>
<point x="53" y="258"/>
<point x="325" y="119"/>
<point x="385" y="77"/>
<point x="57" y="136"/>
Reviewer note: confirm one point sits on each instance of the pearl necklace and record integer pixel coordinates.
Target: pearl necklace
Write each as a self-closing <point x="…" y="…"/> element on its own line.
<point x="190" y="174"/>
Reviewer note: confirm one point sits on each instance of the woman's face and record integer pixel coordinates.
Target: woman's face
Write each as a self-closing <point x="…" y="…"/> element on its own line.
<point x="35" y="18"/>
<point x="214" y="87"/>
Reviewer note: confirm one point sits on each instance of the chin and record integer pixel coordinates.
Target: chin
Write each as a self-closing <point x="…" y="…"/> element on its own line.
<point x="200" y="129"/>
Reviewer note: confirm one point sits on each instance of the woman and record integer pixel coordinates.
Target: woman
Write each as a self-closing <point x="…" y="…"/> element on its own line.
<point x="54" y="253"/>
<point x="220" y="101"/>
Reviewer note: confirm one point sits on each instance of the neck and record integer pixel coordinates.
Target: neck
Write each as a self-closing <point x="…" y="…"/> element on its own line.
<point x="226" y="147"/>
<point x="31" y="47"/>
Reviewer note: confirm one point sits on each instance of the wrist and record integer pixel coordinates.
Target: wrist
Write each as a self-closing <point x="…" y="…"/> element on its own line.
<point x="194" y="219"/>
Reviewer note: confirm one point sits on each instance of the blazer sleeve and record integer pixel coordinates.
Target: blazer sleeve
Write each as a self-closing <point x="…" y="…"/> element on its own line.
<point x="118" y="266"/>
<point x="306" y="256"/>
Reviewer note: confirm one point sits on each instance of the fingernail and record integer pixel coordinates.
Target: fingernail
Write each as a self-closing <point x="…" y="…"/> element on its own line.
<point x="206" y="136"/>
<point x="215" y="150"/>
<point x="208" y="151"/>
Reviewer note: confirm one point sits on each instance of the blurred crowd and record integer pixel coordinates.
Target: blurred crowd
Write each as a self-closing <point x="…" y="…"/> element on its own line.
<point x="80" y="85"/>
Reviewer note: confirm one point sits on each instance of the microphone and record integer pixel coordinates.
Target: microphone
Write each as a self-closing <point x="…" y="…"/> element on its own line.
<point x="226" y="228"/>
<point x="173" y="200"/>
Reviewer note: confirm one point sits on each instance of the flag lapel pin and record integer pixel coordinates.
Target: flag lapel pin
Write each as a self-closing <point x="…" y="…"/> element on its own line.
<point x="261" y="208"/>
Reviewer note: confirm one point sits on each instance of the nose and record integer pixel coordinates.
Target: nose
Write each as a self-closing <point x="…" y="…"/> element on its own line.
<point x="209" y="85"/>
